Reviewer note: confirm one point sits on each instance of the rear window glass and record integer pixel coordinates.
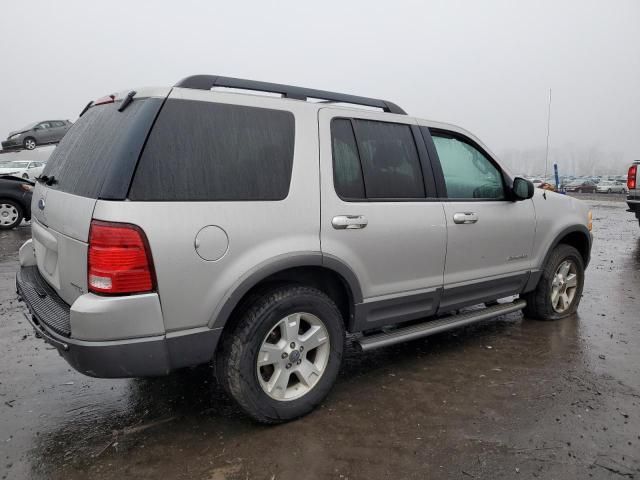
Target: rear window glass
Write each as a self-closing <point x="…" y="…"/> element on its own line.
<point x="82" y="160"/>
<point x="201" y="151"/>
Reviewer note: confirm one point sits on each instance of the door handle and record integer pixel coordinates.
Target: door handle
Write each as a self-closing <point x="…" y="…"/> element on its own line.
<point x="349" y="222"/>
<point x="465" y="217"/>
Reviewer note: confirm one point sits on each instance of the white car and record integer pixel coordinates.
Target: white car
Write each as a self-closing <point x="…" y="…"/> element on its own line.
<point x="22" y="168"/>
<point x="611" y="187"/>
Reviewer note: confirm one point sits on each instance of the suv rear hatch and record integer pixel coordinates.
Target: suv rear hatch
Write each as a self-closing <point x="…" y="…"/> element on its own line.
<point x="95" y="160"/>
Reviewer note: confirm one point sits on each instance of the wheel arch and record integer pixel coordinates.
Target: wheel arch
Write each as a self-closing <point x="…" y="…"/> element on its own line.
<point x="327" y="273"/>
<point x="577" y="236"/>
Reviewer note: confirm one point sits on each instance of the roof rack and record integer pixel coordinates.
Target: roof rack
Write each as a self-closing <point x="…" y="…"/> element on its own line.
<point x="207" y="82"/>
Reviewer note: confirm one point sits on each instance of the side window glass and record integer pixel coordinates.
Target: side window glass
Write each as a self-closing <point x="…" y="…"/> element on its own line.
<point x="390" y="161"/>
<point x="468" y="173"/>
<point x="347" y="173"/>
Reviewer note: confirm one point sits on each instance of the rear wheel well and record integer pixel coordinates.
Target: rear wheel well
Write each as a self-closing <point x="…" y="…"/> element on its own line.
<point x="579" y="241"/>
<point x="327" y="281"/>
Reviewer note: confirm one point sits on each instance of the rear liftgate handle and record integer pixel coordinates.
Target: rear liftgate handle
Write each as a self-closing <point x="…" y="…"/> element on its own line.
<point x="349" y="222"/>
<point x="465" y="218"/>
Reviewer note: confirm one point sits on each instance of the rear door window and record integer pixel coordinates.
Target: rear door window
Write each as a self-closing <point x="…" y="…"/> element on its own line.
<point x="347" y="172"/>
<point x="202" y="151"/>
<point x="380" y="162"/>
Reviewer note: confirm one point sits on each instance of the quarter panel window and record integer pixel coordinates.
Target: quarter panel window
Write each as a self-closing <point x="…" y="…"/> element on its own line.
<point x="202" y="151"/>
<point x="468" y="173"/>
<point x="390" y="161"/>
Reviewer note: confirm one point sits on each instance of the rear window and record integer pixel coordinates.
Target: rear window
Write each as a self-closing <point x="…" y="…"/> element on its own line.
<point x="102" y="146"/>
<point x="202" y="151"/>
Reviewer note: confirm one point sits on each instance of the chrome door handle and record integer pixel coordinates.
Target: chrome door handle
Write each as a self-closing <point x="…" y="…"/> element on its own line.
<point x="344" y="222"/>
<point x="465" y="217"/>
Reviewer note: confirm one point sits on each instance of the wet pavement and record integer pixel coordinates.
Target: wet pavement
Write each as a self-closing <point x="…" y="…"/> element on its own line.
<point x="511" y="398"/>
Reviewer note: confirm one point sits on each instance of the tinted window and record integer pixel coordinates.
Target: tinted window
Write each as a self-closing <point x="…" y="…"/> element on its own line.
<point x="214" y="151"/>
<point x="390" y="161"/>
<point x="100" y="138"/>
<point x="57" y="124"/>
<point x="347" y="173"/>
<point x="468" y="173"/>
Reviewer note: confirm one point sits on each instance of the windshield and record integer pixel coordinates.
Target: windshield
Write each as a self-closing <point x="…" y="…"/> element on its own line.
<point x="29" y="126"/>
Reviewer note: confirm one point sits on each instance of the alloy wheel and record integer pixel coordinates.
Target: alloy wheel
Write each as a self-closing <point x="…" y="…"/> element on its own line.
<point x="564" y="286"/>
<point x="293" y="356"/>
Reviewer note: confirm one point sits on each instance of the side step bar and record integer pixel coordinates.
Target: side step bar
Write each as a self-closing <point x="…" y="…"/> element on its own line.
<point x="436" y="326"/>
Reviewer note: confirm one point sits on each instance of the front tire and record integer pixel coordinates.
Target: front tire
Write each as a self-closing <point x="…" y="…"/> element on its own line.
<point x="560" y="288"/>
<point x="11" y="214"/>
<point x="283" y="356"/>
<point x="29" y="143"/>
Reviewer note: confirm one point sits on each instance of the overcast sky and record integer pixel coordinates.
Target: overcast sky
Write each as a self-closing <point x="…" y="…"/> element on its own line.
<point x="484" y="65"/>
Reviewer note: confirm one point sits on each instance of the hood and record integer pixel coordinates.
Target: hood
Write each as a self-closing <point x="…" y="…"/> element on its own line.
<point x="26" y="128"/>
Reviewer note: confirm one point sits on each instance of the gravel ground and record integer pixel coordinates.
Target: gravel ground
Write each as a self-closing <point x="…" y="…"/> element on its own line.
<point x="510" y="398"/>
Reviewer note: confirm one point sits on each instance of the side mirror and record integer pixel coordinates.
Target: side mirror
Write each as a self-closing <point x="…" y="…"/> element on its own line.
<point x="522" y="189"/>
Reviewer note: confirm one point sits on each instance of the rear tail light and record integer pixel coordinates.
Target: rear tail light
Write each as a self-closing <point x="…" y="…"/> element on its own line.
<point x="119" y="260"/>
<point x="632" y="176"/>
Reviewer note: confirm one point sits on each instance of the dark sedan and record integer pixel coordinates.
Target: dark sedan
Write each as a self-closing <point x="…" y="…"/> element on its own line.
<point x="581" y="186"/>
<point x="15" y="201"/>
<point x="39" y="133"/>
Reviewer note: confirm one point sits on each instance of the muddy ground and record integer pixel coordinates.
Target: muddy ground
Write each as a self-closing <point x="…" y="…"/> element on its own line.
<point x="511" y="398"/>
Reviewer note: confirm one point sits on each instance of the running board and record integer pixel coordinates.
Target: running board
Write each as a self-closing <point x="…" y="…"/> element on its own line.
<point x="436" y="326"/>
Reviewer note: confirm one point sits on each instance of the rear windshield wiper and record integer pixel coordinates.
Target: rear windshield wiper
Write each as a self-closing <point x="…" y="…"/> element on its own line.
<point x="46" y="179"/>
<point x="127" y="100"/>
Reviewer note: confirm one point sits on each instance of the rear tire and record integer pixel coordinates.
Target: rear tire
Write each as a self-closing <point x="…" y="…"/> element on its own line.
<point x="558" y="292"/>
<point x="11" y="214"/>
<point x="263" y="363"/>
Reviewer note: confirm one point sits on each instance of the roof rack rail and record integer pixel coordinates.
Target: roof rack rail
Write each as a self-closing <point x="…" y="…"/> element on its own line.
<point x="207" y="82"/>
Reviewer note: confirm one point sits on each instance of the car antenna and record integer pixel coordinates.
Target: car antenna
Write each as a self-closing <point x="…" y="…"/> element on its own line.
<point x="546" y="156"/>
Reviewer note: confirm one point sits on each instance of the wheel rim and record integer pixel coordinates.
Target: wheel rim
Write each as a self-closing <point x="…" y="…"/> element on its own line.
<point x="31" y="144"/>
<point x="293" y="356"/>
<point x="8" y="214"/>
<point x="564" y="286"/>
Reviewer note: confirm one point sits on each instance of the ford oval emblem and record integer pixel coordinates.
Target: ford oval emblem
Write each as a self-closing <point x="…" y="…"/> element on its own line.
<point x="41" y="203"/>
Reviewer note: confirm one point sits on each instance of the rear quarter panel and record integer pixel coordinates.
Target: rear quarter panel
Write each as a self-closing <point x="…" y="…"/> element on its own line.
<point x="191" y="289"/>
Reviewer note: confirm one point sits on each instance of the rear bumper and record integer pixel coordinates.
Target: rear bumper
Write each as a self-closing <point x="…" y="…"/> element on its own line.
<point x="633" y="201"/>
<point x="147" y="356"/>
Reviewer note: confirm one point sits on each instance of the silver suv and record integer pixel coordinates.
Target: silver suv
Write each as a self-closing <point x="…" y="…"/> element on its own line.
<point x="179" y="226"/>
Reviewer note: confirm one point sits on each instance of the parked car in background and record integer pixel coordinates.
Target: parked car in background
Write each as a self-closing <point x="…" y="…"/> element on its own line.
<point x="633" y="199"/>
<point x="39" y="133"/>
<point x="581" y="186"/>
<point x="611" y="187"/>
<point x="22" y="168"/>
<point x="15" y="201"/>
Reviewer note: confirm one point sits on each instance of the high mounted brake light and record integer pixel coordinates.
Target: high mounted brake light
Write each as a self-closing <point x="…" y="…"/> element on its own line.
<point x="632" y="177"/>
<point x="119" y="260"/>
<point x="103" y="100"/>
